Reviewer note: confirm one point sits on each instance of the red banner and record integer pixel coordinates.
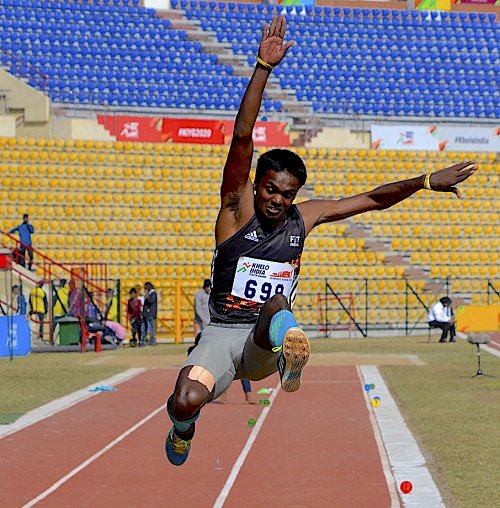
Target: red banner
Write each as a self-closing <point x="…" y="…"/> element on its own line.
<point x="264" y="133"/>
<point x="187" y="130"/>
<point x="132" y="128"/>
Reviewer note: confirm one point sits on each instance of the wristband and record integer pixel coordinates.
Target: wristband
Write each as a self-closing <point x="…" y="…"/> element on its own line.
<point x="267" y="66"/>
<point x="427" y="181"/>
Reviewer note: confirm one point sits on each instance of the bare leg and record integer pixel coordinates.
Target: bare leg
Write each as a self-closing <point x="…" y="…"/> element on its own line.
<point x="188" y="398"/>
<point x="267" y="311"/>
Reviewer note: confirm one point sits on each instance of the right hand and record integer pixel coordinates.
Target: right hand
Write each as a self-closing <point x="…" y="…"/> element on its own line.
<point x="272" y="49"/>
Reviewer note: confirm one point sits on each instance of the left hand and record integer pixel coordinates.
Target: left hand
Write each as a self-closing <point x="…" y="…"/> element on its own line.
<point x="272" y="49"/>
<point x="445" y="180"/>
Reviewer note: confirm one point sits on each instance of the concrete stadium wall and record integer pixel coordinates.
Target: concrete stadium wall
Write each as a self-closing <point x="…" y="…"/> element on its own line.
<point x="341" y="138"/>
<point x="78" y="128"/>
<point x="23" y="98"/>
<point x="7" y="126"/>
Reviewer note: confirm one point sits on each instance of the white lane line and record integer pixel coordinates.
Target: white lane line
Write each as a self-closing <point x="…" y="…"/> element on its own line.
<point x="221" y="499"/>
<point x="386" y="467"/>
<point x="405" y="457"/>
<point x="91" y="459"/>
<point x="55" y="406"/>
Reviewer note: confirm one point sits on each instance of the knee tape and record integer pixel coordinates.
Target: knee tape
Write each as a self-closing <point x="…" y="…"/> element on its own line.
<point x="281" y="322"/>
<point x="203" y="376"/>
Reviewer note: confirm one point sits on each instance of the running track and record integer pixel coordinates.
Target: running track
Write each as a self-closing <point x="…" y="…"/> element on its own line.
<point x="315" y="448"/>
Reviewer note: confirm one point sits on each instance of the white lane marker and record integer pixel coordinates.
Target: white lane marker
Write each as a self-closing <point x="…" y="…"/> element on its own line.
<point x="386" y="467"/>
<point x="406" y="459"/>
<point x="94" y="457"/>
<point x="221" y="499"/>
<point x="55" y="406"/>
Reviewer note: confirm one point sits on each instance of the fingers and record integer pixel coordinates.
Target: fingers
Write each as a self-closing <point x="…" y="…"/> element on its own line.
<point x="464" y="165"/>
<point x="278" y="27"/>
<point x="272" y="28"/>
<point x="283" y="27"/>
<point x="265" y="30"/>
<point x="287" y="46"/>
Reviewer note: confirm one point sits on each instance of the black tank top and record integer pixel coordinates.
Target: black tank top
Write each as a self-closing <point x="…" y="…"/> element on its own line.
<point x="253" y="265"/>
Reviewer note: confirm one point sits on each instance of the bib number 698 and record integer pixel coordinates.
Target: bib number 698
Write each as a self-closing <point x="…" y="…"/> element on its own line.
<point x="265" y="291"/>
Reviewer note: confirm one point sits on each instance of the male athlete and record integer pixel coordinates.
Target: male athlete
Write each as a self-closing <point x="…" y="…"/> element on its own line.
<point x="259" y="237"/>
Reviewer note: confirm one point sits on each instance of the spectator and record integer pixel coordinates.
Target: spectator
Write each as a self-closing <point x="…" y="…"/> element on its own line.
<point x="61" y="301"/>
<point x="20" y="305"/>
<point x="39" y="305"/>
<point x="112" y="306"/>
<point x="201" y="313"/>
<point x="134" y="311"/>
<point x="442" y="316"/>
<point x="76" y="303"/>
<point x="150" y="312"/>
<point x="25" y="230"/>
<point x="90" y="308"/>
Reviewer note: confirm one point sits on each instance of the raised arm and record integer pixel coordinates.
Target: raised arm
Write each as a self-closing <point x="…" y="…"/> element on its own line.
<point x="236" y="188"/>
<point x="320" y="211"/>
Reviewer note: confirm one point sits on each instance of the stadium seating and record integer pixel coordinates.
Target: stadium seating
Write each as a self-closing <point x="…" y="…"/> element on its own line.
<point x="113" y="55"/>
<point x="346" y="61"/>
<point x="149" y="210"/>
<point x="372" y="61"/>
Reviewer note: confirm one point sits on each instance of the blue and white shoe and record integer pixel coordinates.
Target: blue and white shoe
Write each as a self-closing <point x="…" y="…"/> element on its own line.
<point x="293" y="357"/>
<point x="176" y="448"/>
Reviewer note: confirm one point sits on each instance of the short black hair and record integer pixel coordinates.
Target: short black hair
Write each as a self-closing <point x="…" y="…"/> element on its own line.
<point x="281" y="159"/>
<point x="14" y="287"/>
<point x="445" y="300"/>
<point x="62" y="282"/>
<point x="148" y="285"/>
<point x="207" y="283"/>
<point x="25" y="215"/>
<point x="133" y="290"/>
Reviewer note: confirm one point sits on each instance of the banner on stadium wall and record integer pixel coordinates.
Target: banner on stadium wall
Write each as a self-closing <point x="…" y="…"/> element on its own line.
<point x="403" y="137"/>
<point x="133" y="128"/>
<point x="433" y="5"/>
<point x="435" y="137"/>
<point x="296" y="2"/>
<point x="160" y="130"/>
<point x="264" y="133"/>
<point x="478" y="318"/>
<point x="492" y="2"/>
<point x="469" y="139"/>
<point x="187" y="130"/>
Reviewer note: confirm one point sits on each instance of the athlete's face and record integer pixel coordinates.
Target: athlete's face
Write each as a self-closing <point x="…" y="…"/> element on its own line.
<point x="275" y="194"/>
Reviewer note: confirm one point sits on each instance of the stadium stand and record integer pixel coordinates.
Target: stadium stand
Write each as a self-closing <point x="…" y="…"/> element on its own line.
<point x="126" y="56"/>
<point x="417" y="66"/>
<point x="115" y="55"/>
<point x="148" y="210"/>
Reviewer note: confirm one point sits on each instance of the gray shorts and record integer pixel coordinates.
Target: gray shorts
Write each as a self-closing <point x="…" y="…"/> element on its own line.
<point x="229" y="352"/>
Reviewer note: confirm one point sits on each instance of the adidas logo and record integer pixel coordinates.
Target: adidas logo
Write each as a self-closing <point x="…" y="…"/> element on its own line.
<point x="252" y="236"/>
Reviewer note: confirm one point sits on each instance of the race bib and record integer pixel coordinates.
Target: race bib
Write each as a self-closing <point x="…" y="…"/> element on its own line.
<point x="257" y="280"/>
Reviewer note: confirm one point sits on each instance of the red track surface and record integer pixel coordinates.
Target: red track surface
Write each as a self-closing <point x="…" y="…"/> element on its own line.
<point x="316" y="448"/>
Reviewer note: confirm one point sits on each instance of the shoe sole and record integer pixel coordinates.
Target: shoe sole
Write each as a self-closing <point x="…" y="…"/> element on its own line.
<point x="295" y="351"/>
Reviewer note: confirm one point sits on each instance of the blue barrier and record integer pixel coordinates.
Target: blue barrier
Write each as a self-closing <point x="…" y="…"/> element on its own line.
<point x="15" y="335"/>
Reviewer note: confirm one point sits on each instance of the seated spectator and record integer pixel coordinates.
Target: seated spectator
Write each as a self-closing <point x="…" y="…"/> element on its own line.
<point x="442" y="316"/>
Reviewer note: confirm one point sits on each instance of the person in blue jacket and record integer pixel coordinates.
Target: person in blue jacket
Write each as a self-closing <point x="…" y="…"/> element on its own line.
<point x="25" y="230"/>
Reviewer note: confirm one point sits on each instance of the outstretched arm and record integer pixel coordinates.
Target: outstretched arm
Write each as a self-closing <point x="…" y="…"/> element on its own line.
<point x="236" y="189"/>
<point x="320" y="211"/>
